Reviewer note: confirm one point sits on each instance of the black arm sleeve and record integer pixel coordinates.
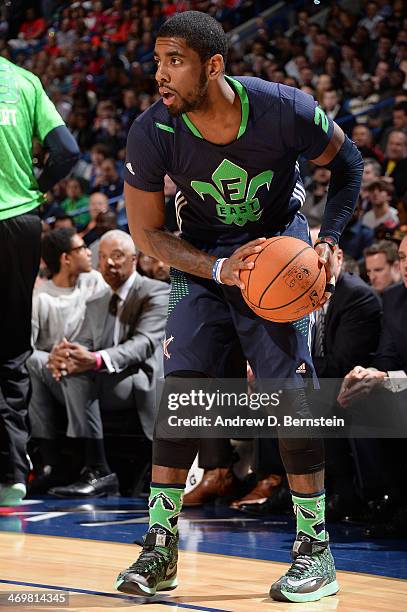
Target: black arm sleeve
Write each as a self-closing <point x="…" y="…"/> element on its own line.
<point x="63" y="155"/>
<point x="344" y="186"/>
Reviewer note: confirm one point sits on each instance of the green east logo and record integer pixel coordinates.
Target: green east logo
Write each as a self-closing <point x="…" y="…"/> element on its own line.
<point x="233" y="193"/>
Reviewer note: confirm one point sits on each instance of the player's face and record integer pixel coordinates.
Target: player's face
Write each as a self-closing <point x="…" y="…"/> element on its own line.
<point x="180" y="75"/>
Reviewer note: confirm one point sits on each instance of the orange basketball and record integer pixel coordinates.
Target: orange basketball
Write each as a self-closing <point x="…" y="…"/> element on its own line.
<point x="286" y="282"/>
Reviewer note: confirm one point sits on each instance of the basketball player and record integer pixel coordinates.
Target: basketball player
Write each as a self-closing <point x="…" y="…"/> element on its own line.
<point x="25" y="112"/>
<point x="231" y="146"/>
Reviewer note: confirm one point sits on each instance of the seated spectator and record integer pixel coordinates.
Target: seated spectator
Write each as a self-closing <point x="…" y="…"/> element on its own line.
<point x="31" y="30"/>
<point x="76" y="203"/>
<point x="371" y="172"/>
<point x="382" y="265"/>
<point x="316" y="193"/>
<point x="346" y="333"/>
<point x="388" y="372"/>
<point x="109" y="181"/>
<point x="363" y="139"/>
<point x="395" y="162"/>
<point x="331" y="103"/>
<point x="131" y="109"/>
<point x="373" y="17"/>
<point x="111" y="135"/>
<point x="89" y="172"/>
<point x="81" y="129"/>
<point x="380" y="195"/>
<point x="58" y="312"/>
<point x="105" y="221"/>
<point x="347" y="327"/>
<point x="363" y="101"/>
<point x="114" y="363"/>
<point x="98" y="203"/>
<point x="399" y="121"/>
<point x="61" y="219"/>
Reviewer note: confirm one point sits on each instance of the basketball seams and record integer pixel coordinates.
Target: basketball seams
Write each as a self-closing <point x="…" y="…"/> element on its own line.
<point x="272" y="241"/>
<point x="279" y="274"/>
<point x="296" y="299"/>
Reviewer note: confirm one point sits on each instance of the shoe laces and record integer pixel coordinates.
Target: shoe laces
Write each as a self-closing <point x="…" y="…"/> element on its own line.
<point x="299" y="564"/>
<point x="149" y="559"/>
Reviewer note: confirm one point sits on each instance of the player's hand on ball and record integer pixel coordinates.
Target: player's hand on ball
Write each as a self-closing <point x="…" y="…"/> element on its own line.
<point x="326" y="259"/>
<point x="235" y="263"/>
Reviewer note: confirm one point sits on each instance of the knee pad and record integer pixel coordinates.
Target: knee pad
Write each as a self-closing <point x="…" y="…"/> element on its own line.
<point x="176" y="452"/>
<point x="300" y="455"/>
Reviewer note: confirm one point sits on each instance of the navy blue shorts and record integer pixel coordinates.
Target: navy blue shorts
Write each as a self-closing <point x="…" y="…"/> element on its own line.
<point x="205" y="319"/>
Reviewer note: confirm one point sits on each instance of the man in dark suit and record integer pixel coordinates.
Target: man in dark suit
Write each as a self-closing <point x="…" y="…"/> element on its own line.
<point x="389" y="374"/>
<point x="115" y="361"/>
<point x="390" y="361"/>
<point x="351" y="321"/>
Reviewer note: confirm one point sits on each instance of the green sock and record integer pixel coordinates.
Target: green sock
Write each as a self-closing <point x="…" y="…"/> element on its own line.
<point x="165" y="503"/>
<point x="310" y="514"/>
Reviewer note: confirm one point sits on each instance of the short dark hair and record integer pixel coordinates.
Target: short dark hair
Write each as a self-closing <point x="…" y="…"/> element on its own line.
<point x="382" y="185"/>
<point x="53" y="244"/>
<point x="201" y="32"/>
<point x="387" y="247"/>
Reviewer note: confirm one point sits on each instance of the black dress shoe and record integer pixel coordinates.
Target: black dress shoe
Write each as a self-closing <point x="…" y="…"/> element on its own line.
<point x="395" y="527"/>
<point x="45" y="481"/>
<point x="91" y="484"/>
<point x="279" y="503"/>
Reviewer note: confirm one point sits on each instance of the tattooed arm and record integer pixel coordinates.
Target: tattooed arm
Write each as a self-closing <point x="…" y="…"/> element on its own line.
<point x="146" y="213"/>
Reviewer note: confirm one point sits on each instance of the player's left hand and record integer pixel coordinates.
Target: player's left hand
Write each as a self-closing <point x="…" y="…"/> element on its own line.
<point x="326" y="259"/>
<point x="357" y="382"/>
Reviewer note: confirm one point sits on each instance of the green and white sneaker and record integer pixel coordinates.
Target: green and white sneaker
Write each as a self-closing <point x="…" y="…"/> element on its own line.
<point x="155" y="569"/>
<point x="12" y="495"/>
<point x="311" y="576"/>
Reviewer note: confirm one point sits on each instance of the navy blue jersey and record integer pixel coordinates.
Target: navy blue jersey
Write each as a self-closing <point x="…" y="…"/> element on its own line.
<point x="230" y="194"/>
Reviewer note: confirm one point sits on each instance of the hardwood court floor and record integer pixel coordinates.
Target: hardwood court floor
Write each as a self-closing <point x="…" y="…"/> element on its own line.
<point x="212" y="583"/>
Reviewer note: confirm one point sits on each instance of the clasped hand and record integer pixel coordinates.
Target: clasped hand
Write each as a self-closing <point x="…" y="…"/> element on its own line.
<point x="357" y="383"/>
<point x="70" y="358"/>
